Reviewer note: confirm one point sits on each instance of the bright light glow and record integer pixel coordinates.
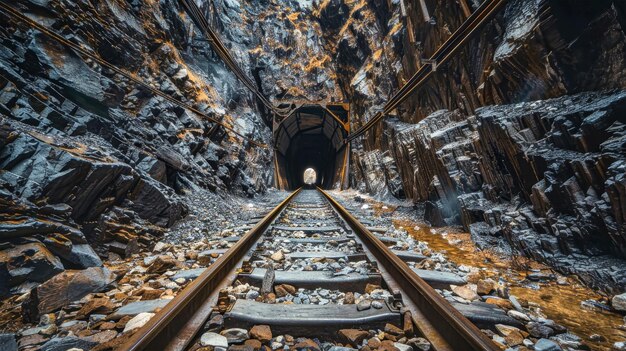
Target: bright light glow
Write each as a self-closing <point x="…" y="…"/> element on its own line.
<point x="310" y="177"/>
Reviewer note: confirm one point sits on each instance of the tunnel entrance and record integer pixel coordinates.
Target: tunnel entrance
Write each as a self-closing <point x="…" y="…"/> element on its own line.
<point x="312" y="137"/>
<point x="310" y="176"/>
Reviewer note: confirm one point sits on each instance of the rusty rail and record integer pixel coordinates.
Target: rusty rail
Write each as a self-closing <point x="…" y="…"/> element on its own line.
<point x="178" y="322"/>
<point x="443" y="325"/>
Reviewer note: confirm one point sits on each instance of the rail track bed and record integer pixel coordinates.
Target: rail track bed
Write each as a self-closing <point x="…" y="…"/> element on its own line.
<point x="310" y="276"/>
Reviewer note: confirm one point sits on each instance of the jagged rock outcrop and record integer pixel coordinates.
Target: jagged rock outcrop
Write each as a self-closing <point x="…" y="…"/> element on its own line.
<point x="545" y="176"/>
<point x="92" y="163"/>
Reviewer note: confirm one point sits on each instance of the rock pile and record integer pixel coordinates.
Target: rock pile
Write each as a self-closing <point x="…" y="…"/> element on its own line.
<point x="260" y="337"/>
<point x="101" y="306"/>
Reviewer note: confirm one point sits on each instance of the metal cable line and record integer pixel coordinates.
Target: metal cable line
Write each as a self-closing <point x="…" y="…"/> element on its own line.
<point x="485" y="12"/>
<point x="218" y="46"/>
<point x="11" y="12"/>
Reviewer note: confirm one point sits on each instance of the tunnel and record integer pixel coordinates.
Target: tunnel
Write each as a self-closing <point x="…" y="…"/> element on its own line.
<point x="312" y="137"/>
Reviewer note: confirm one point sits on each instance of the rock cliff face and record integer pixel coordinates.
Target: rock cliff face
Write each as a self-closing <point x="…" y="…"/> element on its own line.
<point x="543" y="176"/>
<point x="93" y="163"/>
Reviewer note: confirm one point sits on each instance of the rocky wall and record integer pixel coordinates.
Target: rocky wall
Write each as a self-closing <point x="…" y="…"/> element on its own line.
<point x="93" y="165"/>
<point x="546" y="177"/>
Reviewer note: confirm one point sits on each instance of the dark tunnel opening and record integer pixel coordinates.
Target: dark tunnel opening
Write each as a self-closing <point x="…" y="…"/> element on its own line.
<point x="312" y="137"/>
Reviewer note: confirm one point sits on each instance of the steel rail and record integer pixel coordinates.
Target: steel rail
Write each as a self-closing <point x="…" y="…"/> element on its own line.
<point x="16" y="15"/>
<point x="466" y="31"/>
<point x="179" y="322"/>
<point x="170" y="328"/>
<point x="443" y="325"/>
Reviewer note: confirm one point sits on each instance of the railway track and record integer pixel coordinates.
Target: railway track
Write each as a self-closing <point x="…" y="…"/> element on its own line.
<point x="310" y="269"/>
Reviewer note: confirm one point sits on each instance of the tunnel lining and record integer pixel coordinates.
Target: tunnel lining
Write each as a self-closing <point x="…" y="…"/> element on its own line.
<point x="312" y="137"/>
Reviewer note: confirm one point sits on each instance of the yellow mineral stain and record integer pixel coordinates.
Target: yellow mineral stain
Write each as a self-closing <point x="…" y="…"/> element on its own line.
<point x="561" y="303"/>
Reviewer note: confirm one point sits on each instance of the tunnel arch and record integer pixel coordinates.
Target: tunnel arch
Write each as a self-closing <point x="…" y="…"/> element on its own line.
<point x="312" y="136"/>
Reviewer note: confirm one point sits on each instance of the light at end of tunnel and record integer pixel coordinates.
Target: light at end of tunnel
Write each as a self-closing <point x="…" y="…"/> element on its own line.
<point x="310" y="177"/>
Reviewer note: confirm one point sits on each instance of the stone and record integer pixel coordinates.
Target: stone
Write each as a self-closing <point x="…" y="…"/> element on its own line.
<point x="420" y="344"/>
<point x="31" y="262"/>
<point x="363" y="305"/>
<point x="255" y="344"/>
<point x="138" y="321"/>
<point x="122" y="322"/>
<point x="505" y="330"/>
<point x="465" y="293"/>
<point x="160" y="247"/>
<point x="138" y="307"/>
<point x="8" y="342"/>
<point x="106" y="326"/>
<point x="514" y="338"/>
<point x="539" y="330"/>
<point x="546" y="345"/>
<point x="568" y="340"/>
<point x="518" y="315"/>
<point x="148" y="293"/>
<point x="377" y="304"/>
<point x="268" y="280"/>
<point x="65" y="288"/>
<point x="68" y="342"/>
<point x="102" y="337"/>
<point x="502" y="303"/>
<point x="289" y="288"/>
<point x="373" y="343"/>
<point x="188" y="274"/>
<point x="80" y="255"/>
<point x="213" y="340"/>
<point x="215" y="323"/>
<point x="96" y="305"/>
<point x="162" y="263"/>
<point x="619" y="346"/>
<point x="498" y="340"/>
<point x="619" y="302"/>
<point x="485" y="286"/>
<point x="371" y="287"/>
<point x="278" y="256"/>
<point x="349" y="298"/>
<point x="402" y="347"/>
<point x="306" y="345"/>
<point x="49" y="330"/>
<point x="388" y="345"/>
<point x="235" y="335"/>
<point x="30" y="340"/>
<point x="392" y="329"/>
<point x="353" y="336"/>
<point x="262" y="333"/>
<point x="517" y="304"/>
<point x="252" y="295"/>
<point x="283" y="290"/>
